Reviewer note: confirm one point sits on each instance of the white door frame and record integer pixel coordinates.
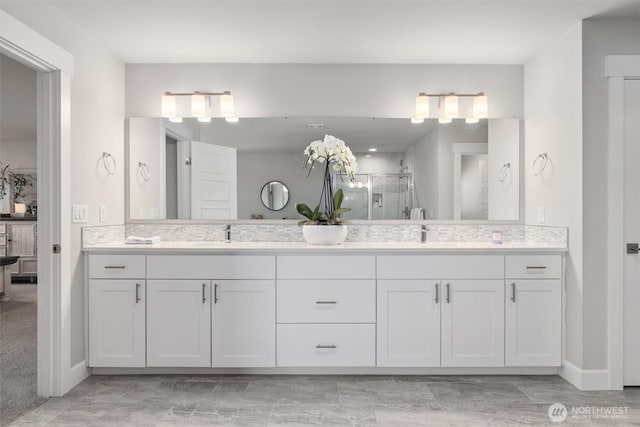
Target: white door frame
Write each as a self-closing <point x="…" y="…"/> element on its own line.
<point x="54" y="67"/>
<point x="617" y="69"/>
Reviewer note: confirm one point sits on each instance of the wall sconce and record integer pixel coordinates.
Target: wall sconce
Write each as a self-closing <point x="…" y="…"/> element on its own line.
<point x="200" y="101"/>
<point x="449" y="105"/>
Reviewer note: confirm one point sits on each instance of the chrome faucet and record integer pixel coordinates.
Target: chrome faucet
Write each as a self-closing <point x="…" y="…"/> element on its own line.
<point x="227" y="234"/>
<point x="423" y="233"/>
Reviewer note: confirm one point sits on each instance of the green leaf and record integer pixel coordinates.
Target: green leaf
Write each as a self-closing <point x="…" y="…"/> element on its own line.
<point x="304" y="210"/>
<point x="338" y="198"/>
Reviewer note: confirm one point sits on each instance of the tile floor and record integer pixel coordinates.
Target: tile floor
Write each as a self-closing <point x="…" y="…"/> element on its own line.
<point x="324" y="400"/>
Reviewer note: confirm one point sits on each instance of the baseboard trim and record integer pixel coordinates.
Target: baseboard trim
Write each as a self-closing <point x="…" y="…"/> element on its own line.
<point x="585" y="379"/>
<point x="78" y="373"/>
<point x="328" y="371"/>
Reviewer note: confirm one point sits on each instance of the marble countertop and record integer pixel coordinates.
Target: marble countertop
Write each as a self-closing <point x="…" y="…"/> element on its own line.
<point x="297" y="247"/>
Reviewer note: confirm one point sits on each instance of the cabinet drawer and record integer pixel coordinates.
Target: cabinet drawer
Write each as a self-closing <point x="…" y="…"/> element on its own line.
<point x="326" y="301"/>
<point x="327" y="267"/>
<point x="441" y="267"/>
<point x="534" y="266"/>
<point x="326" y="345"/>
<point x="211" y="267"/>
<point x="112" y="266"/>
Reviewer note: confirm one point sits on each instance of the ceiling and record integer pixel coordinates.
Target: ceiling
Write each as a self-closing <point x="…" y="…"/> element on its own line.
<point x="332" y="31"/>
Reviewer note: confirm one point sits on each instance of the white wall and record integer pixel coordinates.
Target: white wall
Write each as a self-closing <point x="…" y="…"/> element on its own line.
<point x="18" y="146"/>
<point x="504" y="147"/>
<point x="267" y="90"/>
<point x="601" y="37"/>
<point x="553" y="124"/>
<point x="147" y="145"/>
<point x="427" y="170"/>
<point x="97" y="125"/>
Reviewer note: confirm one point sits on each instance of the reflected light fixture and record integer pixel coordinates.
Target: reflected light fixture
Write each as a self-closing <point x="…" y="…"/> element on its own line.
<point x="373" y="150"/>
<point x="200" y="101"/>
<point x="449" y="104"/>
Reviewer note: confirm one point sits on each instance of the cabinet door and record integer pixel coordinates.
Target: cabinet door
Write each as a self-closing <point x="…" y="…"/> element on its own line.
<point x="409" y="323"/>
<point x="244" y="323"/>
<point x="473" y="323"/>
<point x="116" y="323"/>
<point x="178" y="323"/>
<point x="22" y="240"/>
<point x="533" y="323"/>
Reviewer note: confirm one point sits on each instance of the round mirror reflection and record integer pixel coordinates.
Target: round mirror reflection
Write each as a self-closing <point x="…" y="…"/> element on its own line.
<point x="274" y="195"/>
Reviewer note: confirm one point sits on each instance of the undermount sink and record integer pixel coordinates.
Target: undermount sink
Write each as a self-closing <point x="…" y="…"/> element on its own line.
<point x="8" y="260"/>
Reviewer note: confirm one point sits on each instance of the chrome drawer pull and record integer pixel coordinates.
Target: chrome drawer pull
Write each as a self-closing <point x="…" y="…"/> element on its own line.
<point x="513" y="292"/>
<point x="326" y="346"/>
<point x="448" y="298"/>
<point x="137" y="293"/>
<point x="326" y="302"/>
<point x="534" y="267"/>
<point x="112" y="267"/>
<point x="215" y="293"/>
<point x="204" y="293"/>
<point x="435" y="299"/>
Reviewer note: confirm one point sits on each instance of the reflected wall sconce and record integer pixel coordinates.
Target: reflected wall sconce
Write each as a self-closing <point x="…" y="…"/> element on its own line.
<point x="200" y="103"/>
<point x="449" y="107"/>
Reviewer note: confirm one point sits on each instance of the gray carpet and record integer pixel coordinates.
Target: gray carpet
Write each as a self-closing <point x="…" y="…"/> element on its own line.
<point x="18" y="354"/>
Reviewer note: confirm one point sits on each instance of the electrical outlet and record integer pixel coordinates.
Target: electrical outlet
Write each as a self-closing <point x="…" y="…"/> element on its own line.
<point x="541" y="215"/>
<point x="102" y="213"/>
<point x="80" y="214"/>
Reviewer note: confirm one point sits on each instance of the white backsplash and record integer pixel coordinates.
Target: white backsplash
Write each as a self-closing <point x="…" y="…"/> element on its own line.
<point x="548" y="236"/>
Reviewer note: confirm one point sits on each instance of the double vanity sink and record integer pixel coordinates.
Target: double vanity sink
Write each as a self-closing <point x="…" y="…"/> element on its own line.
<point x="361" y="307"/>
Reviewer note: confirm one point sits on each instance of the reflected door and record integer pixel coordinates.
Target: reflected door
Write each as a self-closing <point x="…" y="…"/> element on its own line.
<point x="214" y="185"/>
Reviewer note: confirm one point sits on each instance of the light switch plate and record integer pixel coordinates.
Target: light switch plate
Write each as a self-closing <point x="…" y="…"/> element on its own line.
<point x="80" y="214"/>
<point x="541" y="215"/>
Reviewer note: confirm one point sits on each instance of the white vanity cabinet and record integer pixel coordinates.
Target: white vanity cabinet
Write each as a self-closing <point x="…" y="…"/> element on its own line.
<point x="117" y="311"/>
<point x="441" y="310"/>
<point x="243" y="323"/>
<point x="326" y="311"/>
<point x="409" y="323"/>
<point x="211" y="310"/>
<point x="178" y="323"/>
<point x="533" y="310"/>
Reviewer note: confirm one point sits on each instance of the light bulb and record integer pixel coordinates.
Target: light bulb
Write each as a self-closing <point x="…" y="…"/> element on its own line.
<point x="480" y="106"/>
<point x="197" y="105"/>
<point x="205" y="119"/>
<point x="168" y="106"/>
<point x="416" y="120"/>
<point x="422" y="106"/>
<point x="232" y="119"/>
<point x="373" y="150"/>
<point x="175" y="119"/>
<point x="471" y="120"/>
<point x="444" y="120"/>
<point x="451" y="106"/>
<point x="226" y="105"/>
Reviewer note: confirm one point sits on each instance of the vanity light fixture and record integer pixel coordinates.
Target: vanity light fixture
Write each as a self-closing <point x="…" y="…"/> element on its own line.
<point x="199" y="103"/>
<point x="449" y="104"/>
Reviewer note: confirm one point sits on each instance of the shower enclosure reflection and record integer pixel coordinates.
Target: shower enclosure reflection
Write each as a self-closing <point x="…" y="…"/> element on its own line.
<point x="379" y="196"/>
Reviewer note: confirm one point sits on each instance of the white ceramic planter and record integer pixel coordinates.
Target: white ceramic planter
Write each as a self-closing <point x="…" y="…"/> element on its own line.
<point x="324" y="234"/>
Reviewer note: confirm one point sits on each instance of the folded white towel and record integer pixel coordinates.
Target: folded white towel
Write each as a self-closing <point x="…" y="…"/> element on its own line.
<point x="417" y="214"/>
<point x="134" y="240"/>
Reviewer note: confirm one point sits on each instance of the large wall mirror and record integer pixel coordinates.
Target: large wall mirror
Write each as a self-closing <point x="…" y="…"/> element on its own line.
<point x="219" y="170"/>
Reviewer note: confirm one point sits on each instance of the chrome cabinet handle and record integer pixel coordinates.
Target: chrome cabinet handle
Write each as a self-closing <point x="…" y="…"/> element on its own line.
<point x="435" y="299"/>
<point x="536" y="267"/>
<point x="326" y="302"/>
<point x="215" y="293"/>
<point x="115" y="267"/>
<point x="326" y="346"/>
<point x="448" y="298"/>
<point x="513" y="292"/>
<point x="204" y="293"/>
<point x="138" y="293"/>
